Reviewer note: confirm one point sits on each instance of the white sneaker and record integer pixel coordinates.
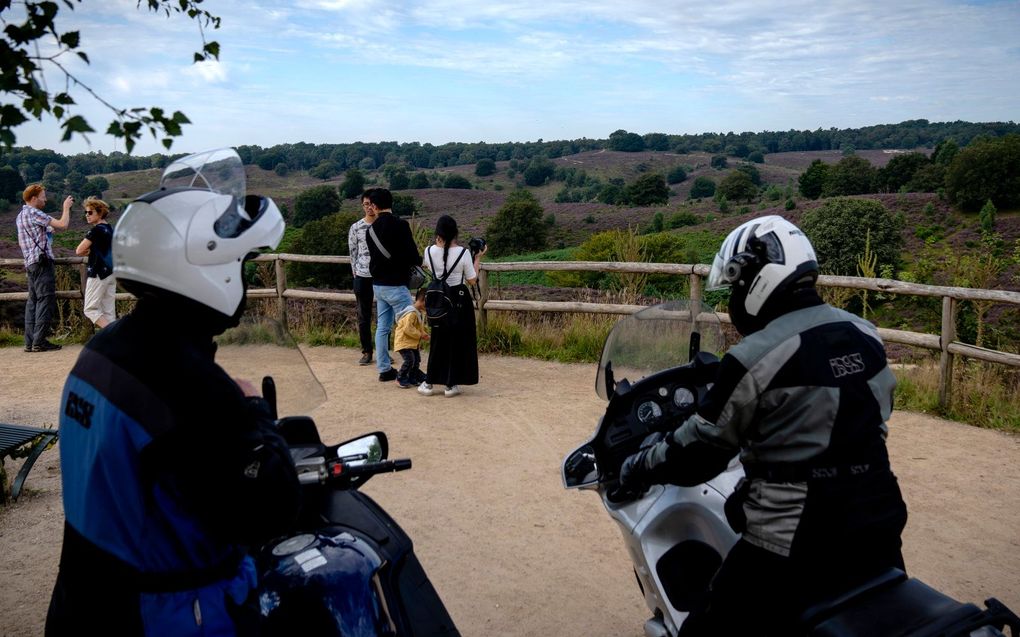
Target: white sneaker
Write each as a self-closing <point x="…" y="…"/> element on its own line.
<point x="452" y="391"/>
<point x="425" y="389"/>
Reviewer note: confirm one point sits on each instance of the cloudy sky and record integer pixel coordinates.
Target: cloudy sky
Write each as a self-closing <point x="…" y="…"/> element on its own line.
<point x="334" y="71"/>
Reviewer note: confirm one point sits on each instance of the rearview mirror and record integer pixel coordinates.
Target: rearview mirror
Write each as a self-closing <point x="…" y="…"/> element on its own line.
<point x="368" y="448"/>
<point x="579" y="470"/>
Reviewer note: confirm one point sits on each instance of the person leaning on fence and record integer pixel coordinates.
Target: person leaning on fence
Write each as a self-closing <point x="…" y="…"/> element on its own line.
<point x="393" y="252"/>
<point x="357" y="247"/>
<point x="100" y="285"/>
<point x="407" y="338"/>
<point x="33" y="225"/>
<point x="453" y="354"/>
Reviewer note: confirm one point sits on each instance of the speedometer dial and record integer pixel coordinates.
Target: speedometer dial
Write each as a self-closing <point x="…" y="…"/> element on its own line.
<point x="683" y="397"/>
<point x="649" y="411"/>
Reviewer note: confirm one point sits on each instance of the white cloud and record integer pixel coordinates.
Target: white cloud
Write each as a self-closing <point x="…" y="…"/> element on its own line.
<point x="210" y="71"/>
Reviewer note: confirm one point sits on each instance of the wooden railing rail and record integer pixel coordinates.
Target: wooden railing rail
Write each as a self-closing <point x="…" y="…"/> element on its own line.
<point x="945" y="342"/>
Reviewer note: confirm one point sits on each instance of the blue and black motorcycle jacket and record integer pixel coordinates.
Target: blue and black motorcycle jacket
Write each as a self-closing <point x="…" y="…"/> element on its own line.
<point x="169" y="473"/>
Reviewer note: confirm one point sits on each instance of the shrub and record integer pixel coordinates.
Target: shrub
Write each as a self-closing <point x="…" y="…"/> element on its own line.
<point x="790" y="204"/>
<point x="649" y="189"/>
<point x="315" y="203"/>
<point x="517" y="226"/>
<point x="676" y="175"/>
<point x="839" y="228"/>
<point x="719" y="161"/>
<point x="459" y="182"/>
<point x="703" y="187"/>
<point x="327" y="236"/>
<point x="681" y="219"/>
<point x="485" y="167"/>
<point x="419" y="180"/>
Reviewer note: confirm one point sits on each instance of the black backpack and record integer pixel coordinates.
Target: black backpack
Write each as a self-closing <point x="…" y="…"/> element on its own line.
<point x="438" y="298"/>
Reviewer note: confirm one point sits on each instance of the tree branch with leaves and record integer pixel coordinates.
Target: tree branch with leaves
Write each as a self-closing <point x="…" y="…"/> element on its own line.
<point x="24" y="67"/>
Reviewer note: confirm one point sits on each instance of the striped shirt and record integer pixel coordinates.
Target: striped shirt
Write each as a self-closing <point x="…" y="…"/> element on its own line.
<point x="32" y="239"/>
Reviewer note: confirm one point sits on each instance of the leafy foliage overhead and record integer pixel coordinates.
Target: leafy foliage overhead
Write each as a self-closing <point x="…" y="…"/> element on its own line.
<point x="25" y="58"/>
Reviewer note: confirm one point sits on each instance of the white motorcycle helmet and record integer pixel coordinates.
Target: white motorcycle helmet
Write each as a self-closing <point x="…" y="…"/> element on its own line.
<point x="192" y="236"/>
<point x="761" y="262"/>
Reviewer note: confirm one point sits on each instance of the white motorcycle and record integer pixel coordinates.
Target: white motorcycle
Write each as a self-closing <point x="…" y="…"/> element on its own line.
<point x="678" y="536"/>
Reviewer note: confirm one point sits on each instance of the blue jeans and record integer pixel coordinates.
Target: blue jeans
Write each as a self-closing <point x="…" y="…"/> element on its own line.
<point x="389" y="299"/>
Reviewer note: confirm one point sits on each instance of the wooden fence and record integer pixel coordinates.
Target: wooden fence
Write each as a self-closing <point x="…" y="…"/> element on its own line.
<point x="945" y="342"/>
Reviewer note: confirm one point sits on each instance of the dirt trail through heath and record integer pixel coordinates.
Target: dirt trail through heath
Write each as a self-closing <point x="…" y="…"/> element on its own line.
<point x="509" y="550"/>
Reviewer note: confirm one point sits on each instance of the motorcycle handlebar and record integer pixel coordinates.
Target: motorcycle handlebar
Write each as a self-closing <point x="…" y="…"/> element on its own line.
<point x="371" y="468"/>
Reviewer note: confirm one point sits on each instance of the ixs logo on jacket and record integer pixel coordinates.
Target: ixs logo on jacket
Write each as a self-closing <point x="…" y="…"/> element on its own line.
<point x="846" y="365"/>
<point x="79" y="410"/>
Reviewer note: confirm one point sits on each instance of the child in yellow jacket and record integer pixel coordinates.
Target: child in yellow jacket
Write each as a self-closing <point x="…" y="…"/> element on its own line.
<point x="409" y="334"/>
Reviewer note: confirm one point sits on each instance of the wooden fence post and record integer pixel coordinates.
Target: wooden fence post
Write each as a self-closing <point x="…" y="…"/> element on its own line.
<point x="947" y="336"/>
<point x="483" y="296"/>
<point x="696" y="288"/>
<point x="281" y="286"/>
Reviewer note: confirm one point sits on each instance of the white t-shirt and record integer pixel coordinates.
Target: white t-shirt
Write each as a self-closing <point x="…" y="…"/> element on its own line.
<point x="465" y="267"/>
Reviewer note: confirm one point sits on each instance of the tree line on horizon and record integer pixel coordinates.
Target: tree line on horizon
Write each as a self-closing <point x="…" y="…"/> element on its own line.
<point x="329" y="160"/>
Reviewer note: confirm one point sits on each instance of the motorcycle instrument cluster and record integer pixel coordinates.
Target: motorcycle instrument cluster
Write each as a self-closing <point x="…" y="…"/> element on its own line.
<point x="649" y="411"/>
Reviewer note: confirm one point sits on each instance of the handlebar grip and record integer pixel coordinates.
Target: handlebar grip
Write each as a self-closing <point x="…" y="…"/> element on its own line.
<point x="372" y="468"/>
<point x="402" y="465"/>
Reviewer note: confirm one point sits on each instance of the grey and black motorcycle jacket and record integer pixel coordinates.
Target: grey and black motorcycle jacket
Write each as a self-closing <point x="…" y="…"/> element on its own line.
<point x="804" y="402"/>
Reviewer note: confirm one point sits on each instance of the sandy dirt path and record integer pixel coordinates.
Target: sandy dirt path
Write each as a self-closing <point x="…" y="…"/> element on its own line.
<point x="509" y="550"/>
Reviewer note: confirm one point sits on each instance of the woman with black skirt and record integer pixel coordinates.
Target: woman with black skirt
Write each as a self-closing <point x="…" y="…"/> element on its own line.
<point x="453" y="353"/>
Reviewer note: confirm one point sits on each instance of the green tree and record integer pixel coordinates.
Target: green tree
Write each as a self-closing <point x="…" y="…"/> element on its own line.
<point x="353" y="184"/>
<point x="327" y="236"/>
<point x="737" y="186"/>
<point x="626" y="142"/>
<point x="751" y="172"/>
<point x="453" y="180"/>
<point x="987" y="216"/>
<point x="987" y="169"/>
<point x="945" y="152"/>
<point x="851" y="175"/>
<point x="326" y="169"/>
<point x="518" y="226"/>
<point x="315" y="203"/>
<point x="839" y="229"/>
<point x="539" y="170"/>
<point x="612" y="193"/>
<point x="282" y="169"/>
<point x="719" y="162"/>
<point x="35" y="46"/>
<point x="405" y="205"/>
<point x="703" y="187"/>
<point x="399" y="180"/>
<point x="928" y="178"/>
<point x="812" y="181"/>
<point x="75" y="182"/>
<point x="485" y="167"/>
<point x="899" y="172"/>
<point x="756" y="157"/>
<point x="647" y="190"/>
<point x="11" y="184"/>
<point x="419" y="180"/>
<point x="676" y="175"/>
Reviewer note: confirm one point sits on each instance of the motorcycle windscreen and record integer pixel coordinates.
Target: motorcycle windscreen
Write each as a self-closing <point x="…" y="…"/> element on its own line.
<point x="655" y="339"/>
<point x="261" y="347"/>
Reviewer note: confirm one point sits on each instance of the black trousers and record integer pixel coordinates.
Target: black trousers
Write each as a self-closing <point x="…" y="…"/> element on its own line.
<point x="42" y="302"/>
<point x="410" y="370"/>
<point x="366" y="310"/>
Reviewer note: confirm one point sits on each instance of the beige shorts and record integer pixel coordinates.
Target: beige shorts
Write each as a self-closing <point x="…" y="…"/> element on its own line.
<point x="99" y="299"/>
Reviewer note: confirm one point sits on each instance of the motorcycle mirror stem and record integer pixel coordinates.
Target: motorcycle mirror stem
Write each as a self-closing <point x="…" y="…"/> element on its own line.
<point x="695" y="346"/>
<point x="269" y="393"/>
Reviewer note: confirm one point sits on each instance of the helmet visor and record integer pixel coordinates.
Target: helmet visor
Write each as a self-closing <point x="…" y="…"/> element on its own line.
<point x="716" y="278"/>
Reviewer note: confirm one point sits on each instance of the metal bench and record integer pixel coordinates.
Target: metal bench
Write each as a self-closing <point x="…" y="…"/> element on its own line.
<point x="14" y="437"/>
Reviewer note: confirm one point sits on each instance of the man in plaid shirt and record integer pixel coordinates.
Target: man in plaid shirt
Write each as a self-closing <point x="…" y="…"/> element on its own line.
<point x="33" y="225"/>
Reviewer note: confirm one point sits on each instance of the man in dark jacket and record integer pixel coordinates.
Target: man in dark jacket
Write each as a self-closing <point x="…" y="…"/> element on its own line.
<point x="393" y="253"/>
<point x="171" y="469"/>
<point x="804" y="399"/>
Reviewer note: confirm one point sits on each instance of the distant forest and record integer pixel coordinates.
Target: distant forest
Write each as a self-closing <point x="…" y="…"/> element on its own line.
<point x="332" y="159"/>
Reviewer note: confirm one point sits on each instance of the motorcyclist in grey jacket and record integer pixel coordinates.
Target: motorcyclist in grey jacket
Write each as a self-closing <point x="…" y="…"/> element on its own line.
<point x="804" y="400"/>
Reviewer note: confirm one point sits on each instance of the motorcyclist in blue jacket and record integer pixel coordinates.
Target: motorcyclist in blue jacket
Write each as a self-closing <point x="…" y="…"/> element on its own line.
<point x="804" y="399"/>
<point x="170" y="467"/>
